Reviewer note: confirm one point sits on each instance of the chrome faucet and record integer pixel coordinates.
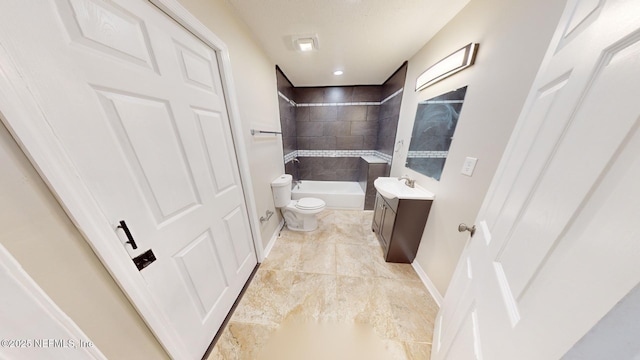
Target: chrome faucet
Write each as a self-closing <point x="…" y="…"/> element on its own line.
<point x="407" y="180"/>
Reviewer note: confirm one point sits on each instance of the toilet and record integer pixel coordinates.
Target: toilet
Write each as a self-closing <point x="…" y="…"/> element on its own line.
<point x="299" y="215"/>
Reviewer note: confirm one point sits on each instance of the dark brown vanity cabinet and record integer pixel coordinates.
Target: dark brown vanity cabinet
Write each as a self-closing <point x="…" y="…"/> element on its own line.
<point x="399" y="224"/>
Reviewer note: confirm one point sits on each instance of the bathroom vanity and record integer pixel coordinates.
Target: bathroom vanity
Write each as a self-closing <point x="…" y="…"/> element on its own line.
<point x="398" y="224"/>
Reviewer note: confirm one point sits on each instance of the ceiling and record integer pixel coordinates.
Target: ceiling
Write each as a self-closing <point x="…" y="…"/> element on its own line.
<point x="367" y="39"/>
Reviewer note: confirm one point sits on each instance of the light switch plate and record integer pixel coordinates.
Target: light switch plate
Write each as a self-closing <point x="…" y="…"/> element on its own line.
<point x="469" y="165"/>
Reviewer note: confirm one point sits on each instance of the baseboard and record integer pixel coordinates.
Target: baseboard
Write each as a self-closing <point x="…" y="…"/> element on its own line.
<point x="428" y="283"/>
<point x="273" y="239"/>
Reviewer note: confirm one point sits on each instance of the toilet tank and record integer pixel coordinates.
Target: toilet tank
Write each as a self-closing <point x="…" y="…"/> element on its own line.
<point x="281" y="188"/>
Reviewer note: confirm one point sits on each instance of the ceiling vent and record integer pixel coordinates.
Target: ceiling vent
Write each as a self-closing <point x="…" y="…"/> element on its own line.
<point x="305" y="43"/>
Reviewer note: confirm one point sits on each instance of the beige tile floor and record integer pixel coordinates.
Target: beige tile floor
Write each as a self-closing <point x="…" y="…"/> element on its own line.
<point x="329" y="294"/>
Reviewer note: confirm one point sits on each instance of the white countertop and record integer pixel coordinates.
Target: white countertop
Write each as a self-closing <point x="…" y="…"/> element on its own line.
<point x="371" y="159"/>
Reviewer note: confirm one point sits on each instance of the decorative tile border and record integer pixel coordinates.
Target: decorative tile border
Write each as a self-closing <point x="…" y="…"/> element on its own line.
<point x="293" y="103"/>
<point x="427" y="154"/>
<point x="290" y="156"/>
<point x="383" y="156"/>
<point x="358" y="103"/>
<point x="361" y="103"/>
<point x="392" y="96"/>
<point x="336" y="153"/>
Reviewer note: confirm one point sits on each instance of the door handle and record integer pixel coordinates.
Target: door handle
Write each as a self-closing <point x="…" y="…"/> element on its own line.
<point x="463" y="227"/>
<point x="123" y="226"/>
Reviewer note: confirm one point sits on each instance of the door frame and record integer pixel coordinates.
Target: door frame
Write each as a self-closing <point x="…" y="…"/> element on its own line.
<point x="43" y="149"/>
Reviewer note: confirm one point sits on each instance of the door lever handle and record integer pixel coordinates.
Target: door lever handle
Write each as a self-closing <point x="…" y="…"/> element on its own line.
<point x="463" y="227"/>
<point x="123" y="226"/>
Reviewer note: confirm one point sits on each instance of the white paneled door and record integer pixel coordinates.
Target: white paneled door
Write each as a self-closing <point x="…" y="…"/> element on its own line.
<point x="557" y="241"/>
<point x="137" y="103"/>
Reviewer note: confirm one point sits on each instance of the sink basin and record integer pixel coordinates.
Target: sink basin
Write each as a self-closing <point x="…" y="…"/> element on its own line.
<point x="391" y="188"/>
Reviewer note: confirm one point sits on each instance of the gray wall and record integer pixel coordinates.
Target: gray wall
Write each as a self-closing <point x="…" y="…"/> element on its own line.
<point x="329" y="168"/>
<point x="390" y="111"/>
<point x="337" y="127"/>
<point x="287" y="113"/>
<point x="333" y="127"/>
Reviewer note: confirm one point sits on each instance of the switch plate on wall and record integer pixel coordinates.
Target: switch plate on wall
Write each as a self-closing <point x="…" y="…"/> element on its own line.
<point x="469" y="165"/>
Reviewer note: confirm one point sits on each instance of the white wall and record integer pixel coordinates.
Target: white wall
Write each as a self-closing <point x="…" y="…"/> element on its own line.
<point x="513" y="37"/>
<point x="254" y="75"/>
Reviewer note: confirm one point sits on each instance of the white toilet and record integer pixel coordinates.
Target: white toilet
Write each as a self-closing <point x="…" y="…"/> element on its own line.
<point x="300" y="215"/>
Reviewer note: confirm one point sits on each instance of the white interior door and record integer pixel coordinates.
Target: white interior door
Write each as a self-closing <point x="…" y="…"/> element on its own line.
<point x="557" y="241"/>
<point x="137" y="103"/>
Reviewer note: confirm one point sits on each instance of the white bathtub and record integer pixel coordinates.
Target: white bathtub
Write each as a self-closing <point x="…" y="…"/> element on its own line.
<point x="337" y="194"/>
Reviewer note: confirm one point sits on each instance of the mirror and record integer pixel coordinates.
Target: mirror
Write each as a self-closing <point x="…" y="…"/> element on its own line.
<point x="433" y="129"/>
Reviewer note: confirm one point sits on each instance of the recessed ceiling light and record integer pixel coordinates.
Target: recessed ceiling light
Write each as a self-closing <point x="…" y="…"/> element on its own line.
<point x="338" y="72"/>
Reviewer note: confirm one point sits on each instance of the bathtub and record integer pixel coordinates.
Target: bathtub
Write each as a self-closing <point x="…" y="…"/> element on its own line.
<point x="336" y="194"/>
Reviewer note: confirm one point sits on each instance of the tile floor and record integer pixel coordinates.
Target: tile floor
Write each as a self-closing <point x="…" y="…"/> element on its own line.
<point x="329" y="294"/>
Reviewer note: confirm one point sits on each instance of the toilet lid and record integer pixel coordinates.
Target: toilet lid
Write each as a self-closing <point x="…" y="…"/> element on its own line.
<point x="309" y="203"/>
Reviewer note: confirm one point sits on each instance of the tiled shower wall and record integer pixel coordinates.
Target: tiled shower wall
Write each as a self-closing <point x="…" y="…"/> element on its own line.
<point x="390" y="111"/>
<point x="335" y="118"/>
<point x="356" y="118"/>
<point x="287" y="114"/>
<point x="287" y="119"/>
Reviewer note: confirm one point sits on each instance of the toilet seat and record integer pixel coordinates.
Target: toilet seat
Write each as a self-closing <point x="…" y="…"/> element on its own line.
<point x="310" y="204"/>
<point x="306" y="206"/>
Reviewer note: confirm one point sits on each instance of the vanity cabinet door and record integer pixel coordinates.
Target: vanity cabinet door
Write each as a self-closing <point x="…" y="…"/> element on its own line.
<point x="388" y="220"/>
<point x="377" y="214"/>
<point x="399" y="225"/>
